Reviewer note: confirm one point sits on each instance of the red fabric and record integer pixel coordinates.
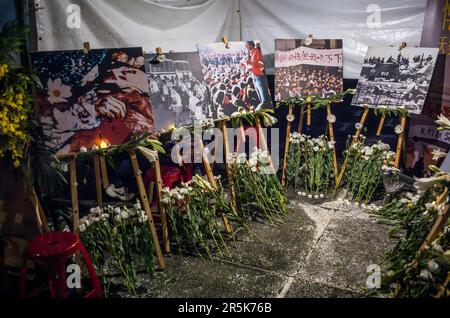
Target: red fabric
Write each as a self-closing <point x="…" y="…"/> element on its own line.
<point x="256" y="61"/>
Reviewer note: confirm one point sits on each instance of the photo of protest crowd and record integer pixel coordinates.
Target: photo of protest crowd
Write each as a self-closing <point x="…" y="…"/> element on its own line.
<point x="234" y="74"/>
<point x="315" y="70"/>
<point x="396" y="78"/>
<point x="178" y="93"/>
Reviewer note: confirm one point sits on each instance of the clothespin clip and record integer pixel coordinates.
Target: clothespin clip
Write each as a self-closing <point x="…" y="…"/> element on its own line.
<point x="308" y="41"/>
<point x="402" y="46"/>
<point x="86" y="47"/>
<point x="159" y="57"/>
<point x="225" y="41"/>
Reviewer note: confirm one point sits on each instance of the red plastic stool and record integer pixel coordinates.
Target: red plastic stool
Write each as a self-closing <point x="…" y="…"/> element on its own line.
<point x="169" y="176"/>
<point x="52" y="250"/>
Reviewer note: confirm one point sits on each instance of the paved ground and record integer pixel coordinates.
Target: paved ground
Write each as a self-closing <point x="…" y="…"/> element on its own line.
<point x="322" y="250"/>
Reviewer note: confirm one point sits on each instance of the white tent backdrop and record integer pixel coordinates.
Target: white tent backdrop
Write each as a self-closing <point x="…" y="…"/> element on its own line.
<point x="180" y="24"/>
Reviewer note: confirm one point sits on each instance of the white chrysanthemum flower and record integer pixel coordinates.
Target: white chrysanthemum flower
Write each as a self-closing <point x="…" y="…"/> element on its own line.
<point x="117" y="218"/>
<point x="331" y="118"/>
<point x="117" y="210"/>
<point x="443" y="122"/>
<point x="290" y="118"/>
<point x="82" y="227"/>
<point x="438" y="154"/>
<point x="398" y="129"/>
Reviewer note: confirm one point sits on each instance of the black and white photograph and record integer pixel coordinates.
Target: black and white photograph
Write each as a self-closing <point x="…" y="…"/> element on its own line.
<point x="235" y="75"/>
<point x="303" y="70"/>
<point x="178" y="93"/>
<point x="396" y="78"/>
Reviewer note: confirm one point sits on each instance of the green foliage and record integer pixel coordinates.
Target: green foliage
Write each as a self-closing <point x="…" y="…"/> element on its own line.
<point x="258" y="190"/>
<point x="310" y="164"/>
<point x="121" y="234"/>
<point x="193" y="211"/>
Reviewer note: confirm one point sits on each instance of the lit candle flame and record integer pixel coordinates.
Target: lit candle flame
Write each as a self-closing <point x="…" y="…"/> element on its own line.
<point x="103" y="144"/>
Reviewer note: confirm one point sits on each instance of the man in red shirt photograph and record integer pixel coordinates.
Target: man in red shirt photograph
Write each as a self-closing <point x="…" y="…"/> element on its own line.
<point x="256" y="65"/>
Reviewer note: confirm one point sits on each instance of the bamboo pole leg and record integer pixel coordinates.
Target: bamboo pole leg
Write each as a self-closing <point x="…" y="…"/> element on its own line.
<point x="439" y="224"/>
<point x="242" y="136"/>
<point x="209" y="173"/>
<point x="162" y="210"/>
<point x="358" y="132"/>
<point x="151" y="192"/>
<point x="286" y="147"/>
<point x="226" y="149"/>
<point x="400" y="141"/>
<point x="144" y="200"/>
<point x="308" y="116"/>
<point x="74" y="200"/>
<point x="104" y="171"/>
<point x="331" y="133"/>
<point x="74" y="195"/>
<point x="98" y="182"/>
<point x="380" y="125"/>
<point x="302" y="117"/>
<point x="263" y="142"/>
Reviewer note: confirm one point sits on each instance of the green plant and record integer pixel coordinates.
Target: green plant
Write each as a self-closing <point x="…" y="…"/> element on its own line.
<point x="193" y="210"/>
<point x="365" y="167"/>
<point x="122" y="234"/>
<point x="310" y="164"/>
<point x="258" y="190"/>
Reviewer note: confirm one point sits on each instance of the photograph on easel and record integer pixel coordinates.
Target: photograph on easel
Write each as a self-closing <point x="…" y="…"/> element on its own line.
<point x="234" y="73"/>
<point x="395" y="78"/>
<point x="92" y="96"/>
<point x="178" y="92"/>
<point x="313" y="70"/>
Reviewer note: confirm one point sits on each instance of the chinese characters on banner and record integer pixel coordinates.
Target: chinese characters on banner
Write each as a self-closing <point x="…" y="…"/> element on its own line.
<point x="309" y="56"/>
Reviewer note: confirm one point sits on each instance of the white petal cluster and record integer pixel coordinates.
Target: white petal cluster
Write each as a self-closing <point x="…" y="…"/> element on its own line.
<point x="112" y="214"/>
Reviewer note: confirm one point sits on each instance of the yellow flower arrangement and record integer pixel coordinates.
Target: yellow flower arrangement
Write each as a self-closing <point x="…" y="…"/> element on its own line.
<point x="3" y="70"/>
<point x="16" y="111"/>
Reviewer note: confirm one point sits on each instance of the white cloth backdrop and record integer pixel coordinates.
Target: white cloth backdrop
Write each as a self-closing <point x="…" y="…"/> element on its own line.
<point x="179" y="25"/>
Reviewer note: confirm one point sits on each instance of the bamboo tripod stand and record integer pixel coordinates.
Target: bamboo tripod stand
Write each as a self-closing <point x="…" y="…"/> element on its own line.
<point x="226" y="149"/>
<point x="101" y="177"/>
<point x="400" y="140"/>
<point x="299" y="130"/>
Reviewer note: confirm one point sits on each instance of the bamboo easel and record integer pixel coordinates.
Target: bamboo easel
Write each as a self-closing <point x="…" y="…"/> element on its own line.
<point x="226" y="150"/>
<point x="299" y="129"/>
<point x="400" y="140"/>
<point x="209" y="173"/>
<point x="98" y="182"/>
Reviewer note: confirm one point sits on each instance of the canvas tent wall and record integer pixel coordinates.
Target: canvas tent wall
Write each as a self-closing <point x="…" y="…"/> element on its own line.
<point x="180" y="24"/>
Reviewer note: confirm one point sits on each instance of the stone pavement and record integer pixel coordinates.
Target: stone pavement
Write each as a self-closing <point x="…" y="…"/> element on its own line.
<point x="322" y="250"/>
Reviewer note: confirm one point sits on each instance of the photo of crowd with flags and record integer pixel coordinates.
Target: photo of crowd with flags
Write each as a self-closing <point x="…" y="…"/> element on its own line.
<point x="178" y="93"/>
<point x="234" y="74"/>
<point x="315" y="70"/>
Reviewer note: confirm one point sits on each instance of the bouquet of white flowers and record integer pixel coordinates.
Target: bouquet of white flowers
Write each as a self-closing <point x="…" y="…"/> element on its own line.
<point x="121" y="233"/>
<point x="366" y="164"/>
<point x="310" y="164"/>
<point x="258" y="190"/>
<point x="193" y="209"/>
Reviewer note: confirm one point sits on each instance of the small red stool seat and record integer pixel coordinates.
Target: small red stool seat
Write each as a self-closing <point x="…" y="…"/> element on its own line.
<point x="52" y="251"/>
<point x="169" y="176"/>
